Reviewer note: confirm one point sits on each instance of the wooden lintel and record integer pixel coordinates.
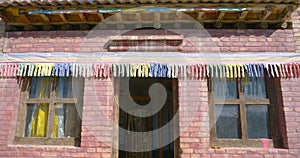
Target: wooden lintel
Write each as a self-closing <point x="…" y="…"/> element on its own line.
<point x="243" y="15"/>
<point x="221" y="15"/>
<point x="200" y="15"/>
<point x="63" y="18"/>
<point x="82" y="17"/>
<point x="101" y="17"/>
<point x="267" y="13"/>
<point x="45" y="17"/>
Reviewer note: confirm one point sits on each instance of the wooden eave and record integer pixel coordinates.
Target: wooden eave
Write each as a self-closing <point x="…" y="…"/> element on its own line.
<point x="274" y="14"/>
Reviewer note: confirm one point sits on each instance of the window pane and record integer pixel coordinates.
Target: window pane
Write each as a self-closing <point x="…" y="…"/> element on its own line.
<point x="36" y="120"/>
<point x="40" y="87"/>
<point x="66" y="121"/>
<point x="225" y="89"/>
<point x="228" y="121"/>
<point x="257" y="121"/>
<point x="255" y="88"/>
<point x="64" y="87"/>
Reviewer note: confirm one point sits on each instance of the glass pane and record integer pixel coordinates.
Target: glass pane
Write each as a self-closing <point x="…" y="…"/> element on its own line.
<point x="228" y="121"/>
<point x="257" y="121"/>
<point x="40" y="87"/>
<point x="225" y="89"/>
<point x="66" y="121"/>
<point x="36" y="120"/>
<point x="64" y="87"/>
<point x="255" y="88"/>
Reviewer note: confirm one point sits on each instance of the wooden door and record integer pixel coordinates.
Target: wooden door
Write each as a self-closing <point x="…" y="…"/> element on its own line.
<point x="138" y="89"/>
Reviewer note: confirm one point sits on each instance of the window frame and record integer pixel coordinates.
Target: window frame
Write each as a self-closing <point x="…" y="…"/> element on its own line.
<point x="52" y="100"/>
<point x="241" y="102"/>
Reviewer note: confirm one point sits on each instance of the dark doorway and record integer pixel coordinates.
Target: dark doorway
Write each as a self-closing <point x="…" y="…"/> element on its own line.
<point x="139" y="92"/>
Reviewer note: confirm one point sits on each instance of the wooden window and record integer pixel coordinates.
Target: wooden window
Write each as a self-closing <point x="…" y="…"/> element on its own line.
<point x="240" y="112"/>
<point x="50" y="111"/>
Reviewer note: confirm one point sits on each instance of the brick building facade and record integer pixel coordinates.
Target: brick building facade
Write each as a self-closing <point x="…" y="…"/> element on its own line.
<point x="100" y="95"/>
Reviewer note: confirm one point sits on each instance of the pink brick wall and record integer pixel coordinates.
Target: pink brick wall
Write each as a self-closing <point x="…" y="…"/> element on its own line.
<point x="97" y="119"/>
<point x="95" y="134"/>
<point x="212" y="41"/>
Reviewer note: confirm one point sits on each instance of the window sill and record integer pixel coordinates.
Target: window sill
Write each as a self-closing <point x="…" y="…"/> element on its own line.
<point x="250" y="150"/>
<point x="32" y="141"/>
<point x="239" y="143"/>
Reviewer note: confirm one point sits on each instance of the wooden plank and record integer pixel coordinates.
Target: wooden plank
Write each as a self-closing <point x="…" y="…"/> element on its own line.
<point x="239" y="143"/>
<point x="45" y="141"/>
<point x="286" y="13"/>
<point x="138" y="16"/>
<point x="175" y="110"/>
<point x="45" y="18"/>
<point x="63" y="18"/>
<point x="212" y="111"/>
<point x="242" y="108"/>
<point x="237" y="101"/>
<point x="200" y="15"/>
<point x="82" y="17"/>
<point x="25" y="18"/>
<point x="116" y="120"/>
<point x="267" y="13"/>
<point x="119" y="17"/>
<point x="51" y="114"/>
<point x="221" y="15"/>
<point x="49" y="100"/>
<point x="156" y="16"/>
<point x="243" y="15"/>
<point x="101" y="17"/>
<point x="22" y="112"/>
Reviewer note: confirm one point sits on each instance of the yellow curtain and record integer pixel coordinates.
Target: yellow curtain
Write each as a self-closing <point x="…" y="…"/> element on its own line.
<point x="55" y="126"/>
<point x="40" y="120"/>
